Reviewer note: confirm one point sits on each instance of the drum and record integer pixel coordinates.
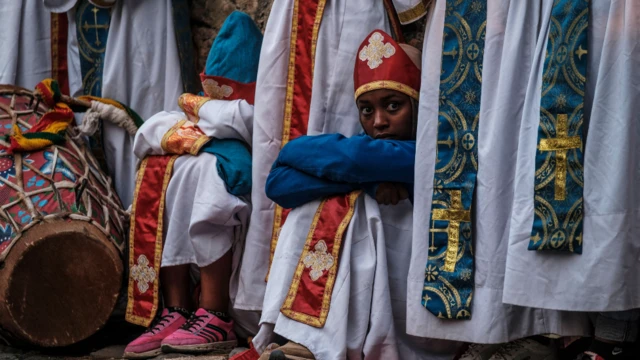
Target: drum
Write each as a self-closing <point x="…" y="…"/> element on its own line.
<point x="61" y="234"/>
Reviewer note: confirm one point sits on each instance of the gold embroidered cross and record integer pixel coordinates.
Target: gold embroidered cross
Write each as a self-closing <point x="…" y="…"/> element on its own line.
<point x="213" y="90"/>
<point x="376" y="50"/>
<point x="318" y="260"/>
<point x="95" y="26"/>
<point x="143" y="274"/>
<point x="561" y="144"/>
<point x="455" y="214"/>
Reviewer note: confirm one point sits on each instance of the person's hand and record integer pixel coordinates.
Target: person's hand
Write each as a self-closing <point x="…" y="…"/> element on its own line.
<point x="391" y="193"/>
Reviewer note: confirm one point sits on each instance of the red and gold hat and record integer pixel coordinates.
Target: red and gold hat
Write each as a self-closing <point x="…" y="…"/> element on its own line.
<point x="384" y="64"/>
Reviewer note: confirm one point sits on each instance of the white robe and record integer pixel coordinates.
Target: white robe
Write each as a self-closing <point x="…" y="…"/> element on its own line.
<point x="202" y="221"/>
<point x="366" y="319"/>
<point x="141" y="70"/>
<point x="344" y="26"/>
<point x="511" y="35"/>
<point x="604" y="277"/>
<point x="25" y="40"/>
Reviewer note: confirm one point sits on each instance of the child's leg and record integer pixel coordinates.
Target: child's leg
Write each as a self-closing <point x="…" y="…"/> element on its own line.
<point x="210" y="329"/>
<point x="175" y="286"/>
<point x="214" y="284"/>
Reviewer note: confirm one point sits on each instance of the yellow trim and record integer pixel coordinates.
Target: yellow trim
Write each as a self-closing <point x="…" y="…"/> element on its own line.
<point x="132" y="221"/>
<point x="191" y="105"/>
<point x="171" y="131"/>
<point x="158" y="249"/>
<point x="413" y="14"/>
<point x="331" y="277"/>
<point x="286" y="128"/>
<point x="387" y="84"/>
<point x="198" y="144"/>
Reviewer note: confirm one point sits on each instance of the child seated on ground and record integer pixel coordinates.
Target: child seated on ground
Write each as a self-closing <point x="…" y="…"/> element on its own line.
<point x="205" y="204"/>
<point x="363" y="317"/>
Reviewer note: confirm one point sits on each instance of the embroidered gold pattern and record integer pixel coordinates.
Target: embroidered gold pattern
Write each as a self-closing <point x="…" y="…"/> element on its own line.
<point x="184" y="137"/>
<point x="376" y="51"/>
<point x="319" y="260"/>
<point x="561" y="144"/>
<point x="455" y="214"/>
<point x="191" y="105"/>
<point x="413" y="14"/>
<point x="216" y="91"/>
<point x="143" y="274"/>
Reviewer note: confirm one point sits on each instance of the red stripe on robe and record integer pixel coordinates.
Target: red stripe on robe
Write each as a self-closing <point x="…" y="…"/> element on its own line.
<point x="59" y="65"/>
<point x="309" y="297"/>
<point x="145" y="238"/>
<point x="306" y="19"/>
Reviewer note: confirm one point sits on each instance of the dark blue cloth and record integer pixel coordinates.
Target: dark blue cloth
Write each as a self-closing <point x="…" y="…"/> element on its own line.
<point x="313" y="167"/>
<point x="233" y="165"/>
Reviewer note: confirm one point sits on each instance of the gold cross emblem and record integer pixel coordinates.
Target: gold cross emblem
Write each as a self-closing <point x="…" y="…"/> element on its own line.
<point x="143" y="274"/>
<point x="215" y="91"/>
<point x="95" y="25"/>
<point x="561" y="144"/>
<point x="376" y="50"/>
<point x="455" y="214"/>
<point x="319" y="260"/>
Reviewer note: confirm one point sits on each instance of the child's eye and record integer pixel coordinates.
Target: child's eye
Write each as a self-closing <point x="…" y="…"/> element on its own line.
<point x="366" y="110"/>
<point x="393" y="106"/>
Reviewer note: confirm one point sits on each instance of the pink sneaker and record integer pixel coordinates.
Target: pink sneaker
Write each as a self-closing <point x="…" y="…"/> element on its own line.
<point x="148" y="344"/>
<point x="204" y="332"/>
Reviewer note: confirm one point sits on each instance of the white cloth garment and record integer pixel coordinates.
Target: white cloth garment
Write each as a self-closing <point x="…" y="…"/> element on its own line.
<point x="202" y="221"/>
<point x="221" y="119"/>
<point x="141" y="70"/>
<point x="25" y="40"/>
<point x="511" y="34"/>
<point x="604" y="277"/>
<point x="344" y="25"/>
<point x="366" y="319"/>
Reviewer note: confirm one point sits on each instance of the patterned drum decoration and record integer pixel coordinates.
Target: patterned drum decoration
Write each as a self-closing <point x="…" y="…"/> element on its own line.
<point x="61" y="234"/>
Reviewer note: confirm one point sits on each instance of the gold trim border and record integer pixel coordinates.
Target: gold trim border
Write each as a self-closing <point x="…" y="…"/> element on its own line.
<point x="134" y="319"/>
<point x="171" y="131"/>
<point x="387" y="84"/>
<point x="286" y="129"/>
<point x="413" y="14"/>
<point x="319" y="321"/>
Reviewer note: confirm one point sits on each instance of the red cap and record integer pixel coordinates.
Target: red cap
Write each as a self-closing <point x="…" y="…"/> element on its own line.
<point x="383" y="64"/>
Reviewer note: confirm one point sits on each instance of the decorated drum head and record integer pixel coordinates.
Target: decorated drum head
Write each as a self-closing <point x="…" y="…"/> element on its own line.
<point x="57" y="182"/>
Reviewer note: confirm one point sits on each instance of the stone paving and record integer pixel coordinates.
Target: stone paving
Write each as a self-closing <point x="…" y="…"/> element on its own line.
<point x="108" y="343"/>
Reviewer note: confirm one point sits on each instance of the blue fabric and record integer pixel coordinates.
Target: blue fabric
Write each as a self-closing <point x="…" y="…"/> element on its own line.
<point x="233" y="165"/>
<point x="92" y="31"/>
<point x="559" y="178"/>
<point x="236" y="49"/>
<point x="314" y="167"/>
<point x="449" y="279"/>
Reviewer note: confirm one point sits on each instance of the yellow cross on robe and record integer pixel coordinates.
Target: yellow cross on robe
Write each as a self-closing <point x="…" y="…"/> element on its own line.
<point x="455" y="214"/>
<point x="561" y="144"/>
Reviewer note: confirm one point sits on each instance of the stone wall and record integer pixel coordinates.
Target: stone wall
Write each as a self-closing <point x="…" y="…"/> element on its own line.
<point x="207" y="17"/>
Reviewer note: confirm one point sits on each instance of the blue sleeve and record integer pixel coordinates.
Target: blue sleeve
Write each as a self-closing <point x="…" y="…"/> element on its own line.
<point x="291" y="188"/>
<point x="357" y="159"/>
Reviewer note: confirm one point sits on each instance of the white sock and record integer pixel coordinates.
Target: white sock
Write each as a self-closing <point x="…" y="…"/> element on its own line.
<point x="264" y="337"/>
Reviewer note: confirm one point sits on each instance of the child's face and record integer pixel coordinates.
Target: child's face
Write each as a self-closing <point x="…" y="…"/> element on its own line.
<point x="386" y="114"/>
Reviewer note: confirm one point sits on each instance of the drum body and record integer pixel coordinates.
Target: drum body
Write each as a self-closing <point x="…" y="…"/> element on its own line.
<point x="61" y="234"/>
